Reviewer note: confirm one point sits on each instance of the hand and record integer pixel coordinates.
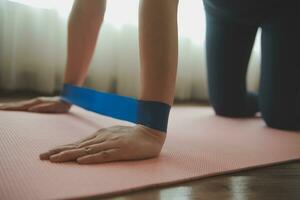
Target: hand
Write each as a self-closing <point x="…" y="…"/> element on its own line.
<point x="111" y="144"/>
<point x="39" y="104"/>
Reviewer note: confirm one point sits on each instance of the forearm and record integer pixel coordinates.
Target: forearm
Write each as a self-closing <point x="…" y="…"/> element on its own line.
<point x="84" y="23"/>
<point x="159" y="49"/>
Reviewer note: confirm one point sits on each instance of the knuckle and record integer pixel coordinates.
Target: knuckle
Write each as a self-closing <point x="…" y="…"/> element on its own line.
<point x="115" y="137"/>
<point x="105" y="154"/>
<point x="89" y="150"/>
<point x="66" y="153"/>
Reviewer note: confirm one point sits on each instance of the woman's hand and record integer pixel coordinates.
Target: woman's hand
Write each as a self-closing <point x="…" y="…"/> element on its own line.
<point x="111" y="144"/>
<point x="39" y="104"/>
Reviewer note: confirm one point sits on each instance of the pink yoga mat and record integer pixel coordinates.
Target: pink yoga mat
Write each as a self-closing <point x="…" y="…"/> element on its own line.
<point x="199" y="144"/>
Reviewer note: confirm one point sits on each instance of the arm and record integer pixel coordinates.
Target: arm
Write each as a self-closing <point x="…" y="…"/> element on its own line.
<point x="158" y="49"/>
<point x="84" y="24"/>
<point x="158" y="45"/>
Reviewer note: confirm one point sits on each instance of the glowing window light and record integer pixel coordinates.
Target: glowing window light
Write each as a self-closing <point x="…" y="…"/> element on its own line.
<point x="62" y="7"/>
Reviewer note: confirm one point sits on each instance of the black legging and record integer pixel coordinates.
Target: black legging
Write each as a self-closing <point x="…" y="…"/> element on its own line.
<point x="231" y="29"/>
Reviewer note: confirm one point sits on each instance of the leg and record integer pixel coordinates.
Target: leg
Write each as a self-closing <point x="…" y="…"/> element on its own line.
<point x="84" y="24"/>
<point x="280" y="83"/>
<point x="228" y="48"/>
<point x="158" y="49"/>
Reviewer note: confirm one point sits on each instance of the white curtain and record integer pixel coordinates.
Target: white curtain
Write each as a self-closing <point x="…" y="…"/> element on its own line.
<point x="33" y="48"/>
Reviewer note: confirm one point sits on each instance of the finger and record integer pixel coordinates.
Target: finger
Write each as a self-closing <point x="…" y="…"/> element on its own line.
<point x="86" y="139"/>
<point x="101" y="157"/>
<point x="19" y="106"/>
<point x="91" y="142"/>
<point x="50" y="107"/>
<point x="46" y="155"/>
<point x="43" y="108"/>
<point x="68" y="155"/>
<point x="56" y="150"/>
<point x="95" y="148"/>
<point x="97" y="135"/>
<point x="6" y="106"/>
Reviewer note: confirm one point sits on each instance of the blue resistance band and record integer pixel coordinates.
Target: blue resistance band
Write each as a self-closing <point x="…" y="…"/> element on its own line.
<point x="152" y="114"/>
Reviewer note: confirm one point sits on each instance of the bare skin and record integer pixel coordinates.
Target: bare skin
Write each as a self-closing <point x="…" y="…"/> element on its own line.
<point x="158" y="46"/>
<point x="39" y="104"/>
<point x="116" y="143"/>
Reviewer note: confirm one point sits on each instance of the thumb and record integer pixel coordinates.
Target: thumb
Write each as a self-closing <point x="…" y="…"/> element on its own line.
<point x="19" y="106"/>
<point x="43" y="108"/>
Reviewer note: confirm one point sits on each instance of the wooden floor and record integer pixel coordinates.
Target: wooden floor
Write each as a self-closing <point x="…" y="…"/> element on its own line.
<point x="280" y="182"/>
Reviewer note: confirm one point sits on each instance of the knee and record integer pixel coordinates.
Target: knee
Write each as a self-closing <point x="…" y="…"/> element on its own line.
<point x="227" y="110"/>
<point x="233" y="105"/>
<point x="281" y="122"/>
<point x="280" y="118"/>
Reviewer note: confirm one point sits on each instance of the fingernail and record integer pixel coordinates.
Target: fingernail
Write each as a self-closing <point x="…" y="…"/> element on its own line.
<point x="54" y="158"/>
<point x="44" y="156"/>
<point x="80" y="161"/>
<point x="53" y="151"/>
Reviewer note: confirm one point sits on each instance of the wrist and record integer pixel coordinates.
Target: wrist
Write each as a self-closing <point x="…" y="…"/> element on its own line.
<point x="159" y="136"/>
<point x="153" y="114"/>
<point x="67" y="104"/>
<point x="74" y="81"/>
